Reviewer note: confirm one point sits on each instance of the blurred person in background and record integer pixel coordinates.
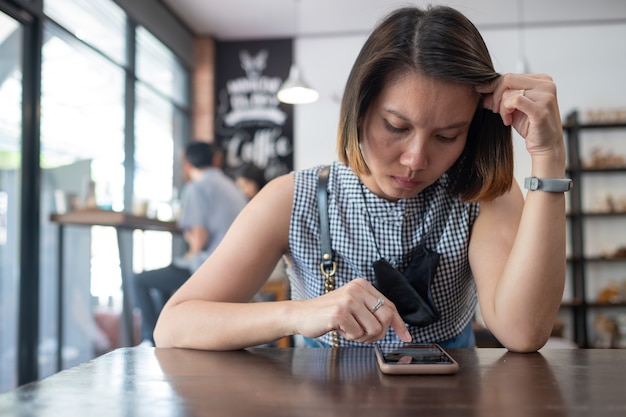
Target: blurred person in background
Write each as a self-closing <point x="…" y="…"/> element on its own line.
<point x="250" y="179"/>
<point x="209" y="203"/>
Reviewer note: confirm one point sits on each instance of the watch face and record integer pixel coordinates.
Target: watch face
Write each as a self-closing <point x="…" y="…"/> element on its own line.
<point x="534" y="183"/>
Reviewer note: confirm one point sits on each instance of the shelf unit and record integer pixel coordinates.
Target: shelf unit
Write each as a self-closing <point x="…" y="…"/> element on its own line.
<point x="584" y="305"/>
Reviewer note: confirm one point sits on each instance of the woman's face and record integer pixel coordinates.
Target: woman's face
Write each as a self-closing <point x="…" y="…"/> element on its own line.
<point x="413" y="132"/>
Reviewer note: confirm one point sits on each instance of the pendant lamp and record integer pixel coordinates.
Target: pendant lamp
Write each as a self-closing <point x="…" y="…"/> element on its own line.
<point x="295" y="90"/>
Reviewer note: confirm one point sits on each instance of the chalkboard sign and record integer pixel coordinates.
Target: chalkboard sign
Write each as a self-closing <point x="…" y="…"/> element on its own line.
<point x="251" y="125"/>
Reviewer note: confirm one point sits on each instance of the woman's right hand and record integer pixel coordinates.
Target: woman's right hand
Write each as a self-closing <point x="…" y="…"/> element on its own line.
<point x="349" y="311"/>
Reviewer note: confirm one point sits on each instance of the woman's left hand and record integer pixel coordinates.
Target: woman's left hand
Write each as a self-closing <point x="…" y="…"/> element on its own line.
<point x="528" y="103"/>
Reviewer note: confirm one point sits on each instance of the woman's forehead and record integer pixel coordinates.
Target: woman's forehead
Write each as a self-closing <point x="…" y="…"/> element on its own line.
<point x="420" y="99"/>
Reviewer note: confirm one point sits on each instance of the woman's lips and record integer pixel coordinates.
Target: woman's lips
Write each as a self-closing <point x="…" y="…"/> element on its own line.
<point x="405" y="182"/>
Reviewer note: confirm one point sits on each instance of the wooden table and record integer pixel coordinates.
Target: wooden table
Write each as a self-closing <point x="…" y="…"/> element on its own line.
<point x="124" y="223"/>
<point x="326" y="382"/>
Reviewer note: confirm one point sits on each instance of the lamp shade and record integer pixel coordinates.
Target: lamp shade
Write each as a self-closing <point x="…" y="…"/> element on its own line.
<point x="295" y="91"/>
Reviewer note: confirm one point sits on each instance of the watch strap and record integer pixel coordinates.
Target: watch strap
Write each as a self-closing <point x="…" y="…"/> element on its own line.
<point x="554" y="185"/>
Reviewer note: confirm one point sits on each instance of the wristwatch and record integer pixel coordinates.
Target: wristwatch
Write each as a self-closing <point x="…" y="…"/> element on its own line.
<point x="548" y="184"/>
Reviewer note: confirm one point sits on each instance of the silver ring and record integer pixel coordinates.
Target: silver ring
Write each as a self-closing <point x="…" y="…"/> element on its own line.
<point x="379" y="304"/>
<point x="522" y="93"/>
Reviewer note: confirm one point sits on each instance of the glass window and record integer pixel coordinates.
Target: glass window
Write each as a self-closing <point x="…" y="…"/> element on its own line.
<point x="154" y="146"/>
<point x="82" y="143"/>
<point x="161" y="112"/>
<point x="100" y="23"/>
<point x="10" y="171"/>
<point x="154" y="162"/>
<point x="82" y="114"/>
<point x="83" y="140"/>
<point x="159" y="67"/>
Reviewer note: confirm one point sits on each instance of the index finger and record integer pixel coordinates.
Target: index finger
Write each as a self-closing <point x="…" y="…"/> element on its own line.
<point x="398" y="326"/>
<point x="504" y="82"/>
<point x="493" y="92"/>
<point x="487" y="88"/>
<point x="487" y="92"/>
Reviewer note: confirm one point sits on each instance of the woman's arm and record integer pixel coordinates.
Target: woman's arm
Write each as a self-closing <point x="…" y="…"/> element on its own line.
<point x="517" y="248"/>
<point x="212" y="309"/>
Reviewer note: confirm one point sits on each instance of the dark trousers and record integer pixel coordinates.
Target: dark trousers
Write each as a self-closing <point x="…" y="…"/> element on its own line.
<point x="152" y="290"/>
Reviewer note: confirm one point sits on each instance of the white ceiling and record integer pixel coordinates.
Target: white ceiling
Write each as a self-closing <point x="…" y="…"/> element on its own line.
<point x="267" y="19"/>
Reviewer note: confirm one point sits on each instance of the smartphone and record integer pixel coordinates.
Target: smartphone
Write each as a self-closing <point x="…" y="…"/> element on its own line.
<point x="415" y="359"/>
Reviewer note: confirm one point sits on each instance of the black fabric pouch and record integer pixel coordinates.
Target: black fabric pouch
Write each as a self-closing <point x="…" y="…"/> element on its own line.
<point x="410" y="290"/>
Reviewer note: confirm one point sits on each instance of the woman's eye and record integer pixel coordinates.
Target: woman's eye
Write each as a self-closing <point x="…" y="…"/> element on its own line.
<point x="393" y="128"/>
<point x="446" y="138"/>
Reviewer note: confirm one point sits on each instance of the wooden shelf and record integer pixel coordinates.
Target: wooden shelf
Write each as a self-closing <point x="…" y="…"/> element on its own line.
<point x="596" y="304"/>
<point x="595" y="259"/>
<point x="578" y="220"/>
<point x="607" y="170"/>
<point x="572" y="123"/>
<point x="571" y="303"/>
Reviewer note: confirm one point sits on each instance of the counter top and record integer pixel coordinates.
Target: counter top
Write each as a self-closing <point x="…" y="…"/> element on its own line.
<point x="326" y="382"/>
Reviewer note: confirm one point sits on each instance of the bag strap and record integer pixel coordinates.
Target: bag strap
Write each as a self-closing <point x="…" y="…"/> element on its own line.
<point x="327" y="265"/>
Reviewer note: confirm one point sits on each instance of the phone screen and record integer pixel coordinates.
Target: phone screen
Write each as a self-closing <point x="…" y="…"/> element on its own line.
<point x="416" y="354"/>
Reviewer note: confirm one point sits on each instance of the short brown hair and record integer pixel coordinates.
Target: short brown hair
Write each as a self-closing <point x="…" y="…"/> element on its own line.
<point x="200" y="154"/>
<point x="442" y="43"/>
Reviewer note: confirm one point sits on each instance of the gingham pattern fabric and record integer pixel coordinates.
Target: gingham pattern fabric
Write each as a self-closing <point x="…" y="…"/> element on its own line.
<point x="433" y="218"/>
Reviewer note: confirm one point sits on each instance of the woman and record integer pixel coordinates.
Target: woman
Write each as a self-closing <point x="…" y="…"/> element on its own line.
<point x="425" y="165"/>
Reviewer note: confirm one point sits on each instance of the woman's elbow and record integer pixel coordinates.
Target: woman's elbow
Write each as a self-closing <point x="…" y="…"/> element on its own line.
<point x="162" y="334"/>
<point x="525" y="342"/>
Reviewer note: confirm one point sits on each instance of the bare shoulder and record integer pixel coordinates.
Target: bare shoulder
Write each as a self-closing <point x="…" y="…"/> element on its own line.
<point x="277" y="193"/>
<point x="283" y="183"/>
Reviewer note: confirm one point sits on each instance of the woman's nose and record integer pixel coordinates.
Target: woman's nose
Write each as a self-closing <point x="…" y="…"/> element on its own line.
<point x="415" y="154"/>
